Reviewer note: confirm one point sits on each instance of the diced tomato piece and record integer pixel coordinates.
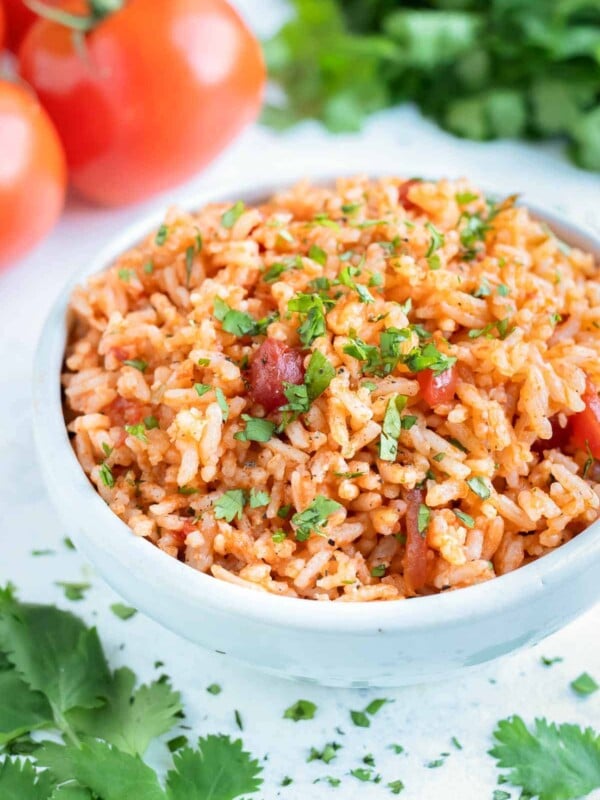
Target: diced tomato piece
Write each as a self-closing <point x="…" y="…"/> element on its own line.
<point x="273" y="365"/>
<point x="124" y="412"/>
<point x="415" y="557"/>
<point x="440" y="388"/>
<point x="403" y="197"/>
<point x="120" y="353"/>
<point x="585" y="425"/>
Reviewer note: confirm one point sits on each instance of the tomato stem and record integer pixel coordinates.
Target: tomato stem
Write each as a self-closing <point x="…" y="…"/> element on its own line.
<point x="99" y="9"/>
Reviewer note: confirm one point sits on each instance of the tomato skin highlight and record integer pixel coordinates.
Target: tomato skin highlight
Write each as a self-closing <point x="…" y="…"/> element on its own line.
<point x="440" y="388"/>
<point x="32" y="172"/>
<point x="272" y="365"/>
<point x="415" y="557"/>
<point x="166" y="85"/>
<point x="585" y="425"/>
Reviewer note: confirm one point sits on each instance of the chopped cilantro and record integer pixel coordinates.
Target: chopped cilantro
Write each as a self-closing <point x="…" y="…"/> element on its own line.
<point x="327" y="754"/>
<point x="138" y="431"/>
<point x="125" y="275"/>
<point x="148" y="268"/>
<point x="279" y="536"/>
<point x="136" y="363"/>
<point x="319" y="374"/>
<point x="189" y="263"/>
<point x="258" y="499"/>
<point x="313" y="308"/>
<point x="231" y="216"/>
<point x="202" y="388"/>
<point x="479" y="487"/>
<point x="464" y="518"/>
<point x="379" y="571"/>
<point x="584" y="685"/>
<point x="284" y="511"/>
<point x="150" y="423"/>
<point x="429" y="357"/>
<point x="390" y="430"/>
<point x="274" y="272"/>
<point x="214" y="688"/>
<point x="437" y="239"/>
<point x="256" y="430"/>
<point x="286" y="780"/>
<point x="300" y="710"/>
<point x="314" y="518"/>
<point x="503" y="290"/>
<point x="106" y="475"/>
<point x="107" y="449"/>
<point x="376" y="705"/>
<point x="187" y="490"/>
<point x="456" y="743"/>
<point x="423" y="517"/>
<point x="462" y="198"/>
<point x="346" y="279"/>
<point x="162" y="234"/>
<point x="548" y="662"/>
<point x="350" y="208"/>
<point x="238" y="323"/>
<point x="483" y="290"/>
<point x="222" y="403"/>
<point x="317" y="254"/>
<point x="230" y="505"/>
<point x="434" y="262"/>
<point x="395" y="787"/>
<point x="122" y="611"/>
<point x="238" y="719"/>
<point x="74" y="591"/>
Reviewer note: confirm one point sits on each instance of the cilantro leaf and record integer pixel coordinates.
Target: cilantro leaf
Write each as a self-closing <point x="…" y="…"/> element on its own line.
<point x="19" y="779"/>
<point x="301" y="709"/>
<point x="390" y="430"/>
<point x="231" y="216"/>
<point x="54" y="652"/>
<point x="130" y="719"/>
<point x="259" y="498"/>
<point x="584" y="684"/>
<point x="21" y="709"/>
<point x="256" y="430"/>
<point x="312" y="307"/>
<point x="230" y="505"/>
<point x="122" y="611"/>
<point x="239" y="323"/>
<point x="549" y="761"/>
<point x="314" y="518"/>
<point x="319" y="374"/>
<point x="103" y="768"/>
<point x="218" y="769"/>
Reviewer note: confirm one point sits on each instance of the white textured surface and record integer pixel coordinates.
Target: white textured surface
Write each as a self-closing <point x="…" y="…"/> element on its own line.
<point x="422" y="719"/>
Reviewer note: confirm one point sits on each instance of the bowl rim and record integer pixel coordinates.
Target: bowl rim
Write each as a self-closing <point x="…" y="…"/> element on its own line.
<point x="108" y="532"/>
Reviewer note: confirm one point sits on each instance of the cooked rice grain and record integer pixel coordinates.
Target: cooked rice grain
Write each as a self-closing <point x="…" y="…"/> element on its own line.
<point x="485" y="283"/>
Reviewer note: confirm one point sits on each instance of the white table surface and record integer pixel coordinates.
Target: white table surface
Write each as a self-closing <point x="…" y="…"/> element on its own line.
<point x="423" y="719"/>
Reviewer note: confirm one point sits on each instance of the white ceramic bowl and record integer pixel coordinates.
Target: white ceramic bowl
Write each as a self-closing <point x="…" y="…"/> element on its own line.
<point x="336" y="644"/>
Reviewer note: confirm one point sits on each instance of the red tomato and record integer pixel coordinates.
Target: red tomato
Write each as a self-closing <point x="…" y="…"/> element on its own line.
<point x="403" y="197"/>
<point x="585" y="425"/>
<point x="437" y="389"/>
<point x="415" y="557"/>
<point x="19" y="19"/>
<point x="32" y="172"/>
<point x="162" y="87"/>
<point x="2" y="26"/>
<point x="272" y="365"/>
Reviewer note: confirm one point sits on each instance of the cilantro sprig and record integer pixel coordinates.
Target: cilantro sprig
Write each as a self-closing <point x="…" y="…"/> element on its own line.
<point x="54" y="675"/>
<point x="549" y="761"/>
